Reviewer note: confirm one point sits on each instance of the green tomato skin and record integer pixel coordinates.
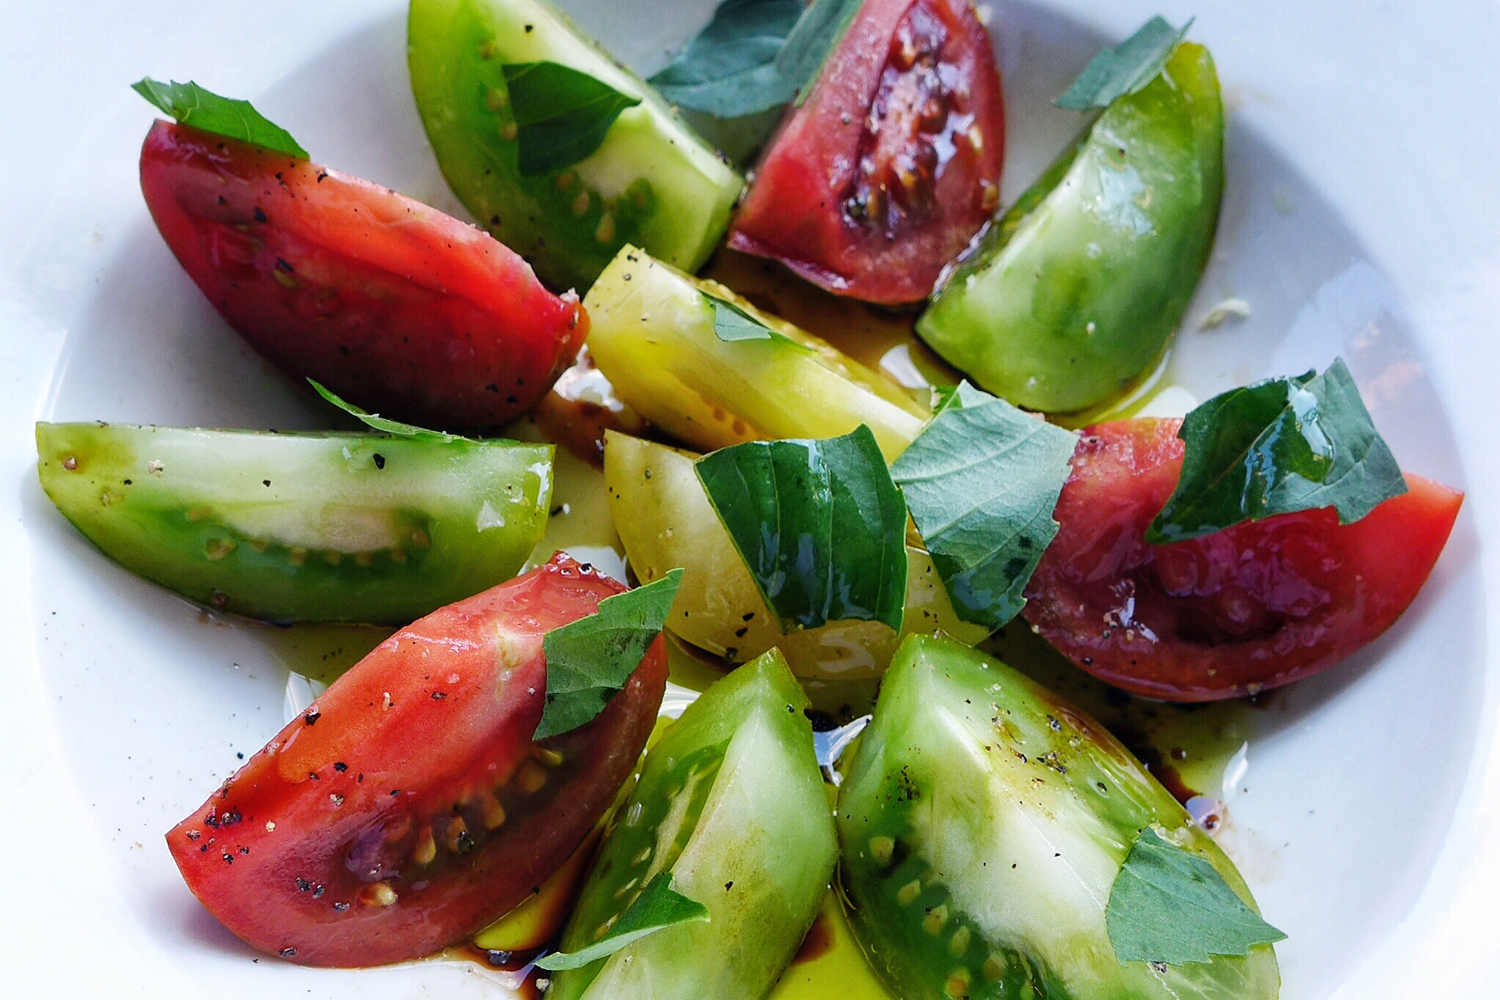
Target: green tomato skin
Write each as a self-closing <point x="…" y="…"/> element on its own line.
<point x="301" y="526"/>
<point x="982" y="822"/>
<point x="652" y="334"/>
<point x="666" y="521"/>
<point x="652" y="182"/>
<point x="1075" y="291"/>
<point x="731" y="802"/>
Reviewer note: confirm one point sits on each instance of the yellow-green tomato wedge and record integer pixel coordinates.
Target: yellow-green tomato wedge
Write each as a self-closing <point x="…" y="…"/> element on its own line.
<point x="982" y="823"/>
<point x="653" y="337"/>
<point x="731" y="803"/>
<point x="666" y="521"/>
<point x="651" y="182"/>
<point x="1073" y="294"/>
<point x="302" y="526"/>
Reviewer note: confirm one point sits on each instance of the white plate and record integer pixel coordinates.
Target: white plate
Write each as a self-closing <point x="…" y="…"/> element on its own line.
<point x="1362" y="218"/>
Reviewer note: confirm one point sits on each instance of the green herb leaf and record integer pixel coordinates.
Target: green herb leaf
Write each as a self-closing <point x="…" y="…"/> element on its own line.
<point x="395" y="428"/>
<point x="1169" y="905"/>
<point x="1278" y="446"/>
<point x="658" y="907"/>
<point x="754" y="55"/>
<point x="1125" y="68"/>
<point x="820" y="28"/>
<point x="982" y="480"/>
<point x="562" y="115"/>
<point x="732" y="324"/>
<point x="589" y="660"/>
<point x="819" y="524"/>
<point x="729" y="70"/>
<point x="190" y="104"/>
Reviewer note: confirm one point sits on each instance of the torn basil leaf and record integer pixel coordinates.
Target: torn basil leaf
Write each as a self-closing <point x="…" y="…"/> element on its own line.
<point x="820" y="525"/>
<point x="820" y="28"/>
<point x="755" y="55"/>
<point x="982" y="480"/>
<point x="189" y="104"/>
<point x="1169" y="905"/>
<point x="588" y="661"/>
<point x="1125" y="68"/>
<point x="731" y="324"/>
<point x="562" y="115"/>
<point x="729" y="70"/>
<point x="1275" y="447"/>
<point x="658" y="907"/>
<point x="375" y="421"/>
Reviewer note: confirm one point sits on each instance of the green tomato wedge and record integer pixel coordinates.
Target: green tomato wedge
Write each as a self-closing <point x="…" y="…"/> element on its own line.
<point x="653" y="336"/>
<point x="1075" y="291"/>
<point x="982" y="822"/>
<point x="302" y="526"/>
<point x="652" y="182"/>
<point x="731" y="802"/>
<point x="666" y="521"/>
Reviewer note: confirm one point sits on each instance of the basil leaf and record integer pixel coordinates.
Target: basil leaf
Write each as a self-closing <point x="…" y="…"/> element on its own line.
<point x="1125" y="68"/>
<point x="589" y="660"/>
<point x="733" y="324"/>
<point x="819" y="29"/>
<point x="1278" y="446"/>
<point x="754" y="55"/>
<point x="658" y="907"/>
<point x="562" y="115"/>
<point x="982" y="480"/>
<point x="729" y="70"/>
<point x="395" y="428"/>
<point x="190" y="104"/>
<point x="1169" y="905"/>
<point x="819" y="524"/>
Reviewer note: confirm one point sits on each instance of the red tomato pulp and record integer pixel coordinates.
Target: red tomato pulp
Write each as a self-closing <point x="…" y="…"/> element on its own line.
<point x="892" y="164"/>
<point x="1233" y="613"/>
<point x="409" y="806"/>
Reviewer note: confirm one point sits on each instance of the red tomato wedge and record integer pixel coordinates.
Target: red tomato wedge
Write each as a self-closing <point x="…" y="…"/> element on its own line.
<point x="393" y="305"/>
<point x="409" y="807"/>
<point x="1233" y="613"/>
<point x="892" y="164"/>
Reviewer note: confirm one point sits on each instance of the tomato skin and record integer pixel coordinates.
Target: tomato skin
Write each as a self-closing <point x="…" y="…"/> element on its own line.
<point x="301" y="526"/>
<point x="361" y="834"/>
<point x="883" y="235"/>
<point x="392" y="304"/>
<point x="1252" y="607"/>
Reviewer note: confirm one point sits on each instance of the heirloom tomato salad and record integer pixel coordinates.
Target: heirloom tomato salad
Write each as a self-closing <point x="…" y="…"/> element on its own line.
<point x="879" y="689"/>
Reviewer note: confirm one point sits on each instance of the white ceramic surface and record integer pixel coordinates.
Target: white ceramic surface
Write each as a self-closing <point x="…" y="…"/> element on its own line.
<point x="1362" y="218"/>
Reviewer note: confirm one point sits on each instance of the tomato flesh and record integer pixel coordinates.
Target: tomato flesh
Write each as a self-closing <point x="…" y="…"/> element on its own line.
<point x="1233" y="613"/>
<point x="982" y="823"/>
<point x="409" y="806"/>
<point x="390" y="303"/>
<point x="731" y="803"/>
<point x="892" y="164"/>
